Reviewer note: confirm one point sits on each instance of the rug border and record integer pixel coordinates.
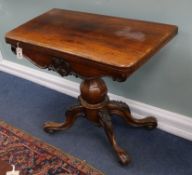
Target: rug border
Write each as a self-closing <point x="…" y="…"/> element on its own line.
<point x="57" y="151"/>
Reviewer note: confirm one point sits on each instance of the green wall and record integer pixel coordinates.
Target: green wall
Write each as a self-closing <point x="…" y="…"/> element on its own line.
<point x="165" y="81"/>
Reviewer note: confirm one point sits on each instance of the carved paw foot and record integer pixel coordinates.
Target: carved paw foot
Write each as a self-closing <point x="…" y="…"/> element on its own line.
<point x="52" y="127"/>
<point x="124" y="158"/>
<point x="151" y="122"/>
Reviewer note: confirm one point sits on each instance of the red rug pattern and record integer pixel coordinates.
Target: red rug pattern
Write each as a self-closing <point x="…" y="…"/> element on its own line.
<point x="33" y="157"/>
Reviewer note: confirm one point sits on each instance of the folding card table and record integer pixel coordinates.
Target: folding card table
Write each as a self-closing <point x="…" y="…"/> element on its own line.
<point x="92" y="46"/>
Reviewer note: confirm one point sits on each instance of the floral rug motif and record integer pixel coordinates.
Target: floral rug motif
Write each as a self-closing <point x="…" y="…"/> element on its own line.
<point x="33" y="157"/>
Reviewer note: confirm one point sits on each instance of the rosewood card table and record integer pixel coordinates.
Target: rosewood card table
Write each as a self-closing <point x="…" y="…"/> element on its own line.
<point x="92" y="46"/>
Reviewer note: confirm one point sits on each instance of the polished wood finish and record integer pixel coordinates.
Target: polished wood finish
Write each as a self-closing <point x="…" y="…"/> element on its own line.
<point x="4" y="167"/>
<point x="92" y="46"/>
<point x="87" y="40"/>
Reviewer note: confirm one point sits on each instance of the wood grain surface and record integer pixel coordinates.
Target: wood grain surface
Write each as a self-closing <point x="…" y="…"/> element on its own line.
<point x="114" y="41"/>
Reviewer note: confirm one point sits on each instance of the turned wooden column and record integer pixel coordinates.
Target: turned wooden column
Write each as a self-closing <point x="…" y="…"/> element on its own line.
<point x="93" y="97"/>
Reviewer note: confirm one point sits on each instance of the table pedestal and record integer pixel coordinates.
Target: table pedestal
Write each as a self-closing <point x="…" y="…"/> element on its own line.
<point x="94" y="104"/>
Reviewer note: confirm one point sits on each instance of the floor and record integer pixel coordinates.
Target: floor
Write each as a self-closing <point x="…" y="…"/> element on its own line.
<point x="27" y="106"/>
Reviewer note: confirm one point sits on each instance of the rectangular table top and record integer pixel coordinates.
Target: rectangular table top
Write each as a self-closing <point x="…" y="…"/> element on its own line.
<point x="113" y="41"/>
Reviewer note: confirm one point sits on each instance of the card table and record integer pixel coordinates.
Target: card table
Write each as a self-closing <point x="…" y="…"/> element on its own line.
<point x="92" y="46"/>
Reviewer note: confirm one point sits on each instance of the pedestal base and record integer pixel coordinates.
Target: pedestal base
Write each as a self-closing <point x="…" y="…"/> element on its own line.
<point x="96" y="107"/>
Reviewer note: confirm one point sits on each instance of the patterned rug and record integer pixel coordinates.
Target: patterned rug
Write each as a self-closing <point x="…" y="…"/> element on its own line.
<point x="34" y="157"/>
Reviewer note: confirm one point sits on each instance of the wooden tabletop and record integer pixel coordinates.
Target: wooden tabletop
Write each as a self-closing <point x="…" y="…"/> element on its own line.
<point x="118" y="42"/>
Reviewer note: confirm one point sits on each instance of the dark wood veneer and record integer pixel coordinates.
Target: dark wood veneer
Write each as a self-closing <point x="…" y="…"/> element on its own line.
<point x="92" y="46"/>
